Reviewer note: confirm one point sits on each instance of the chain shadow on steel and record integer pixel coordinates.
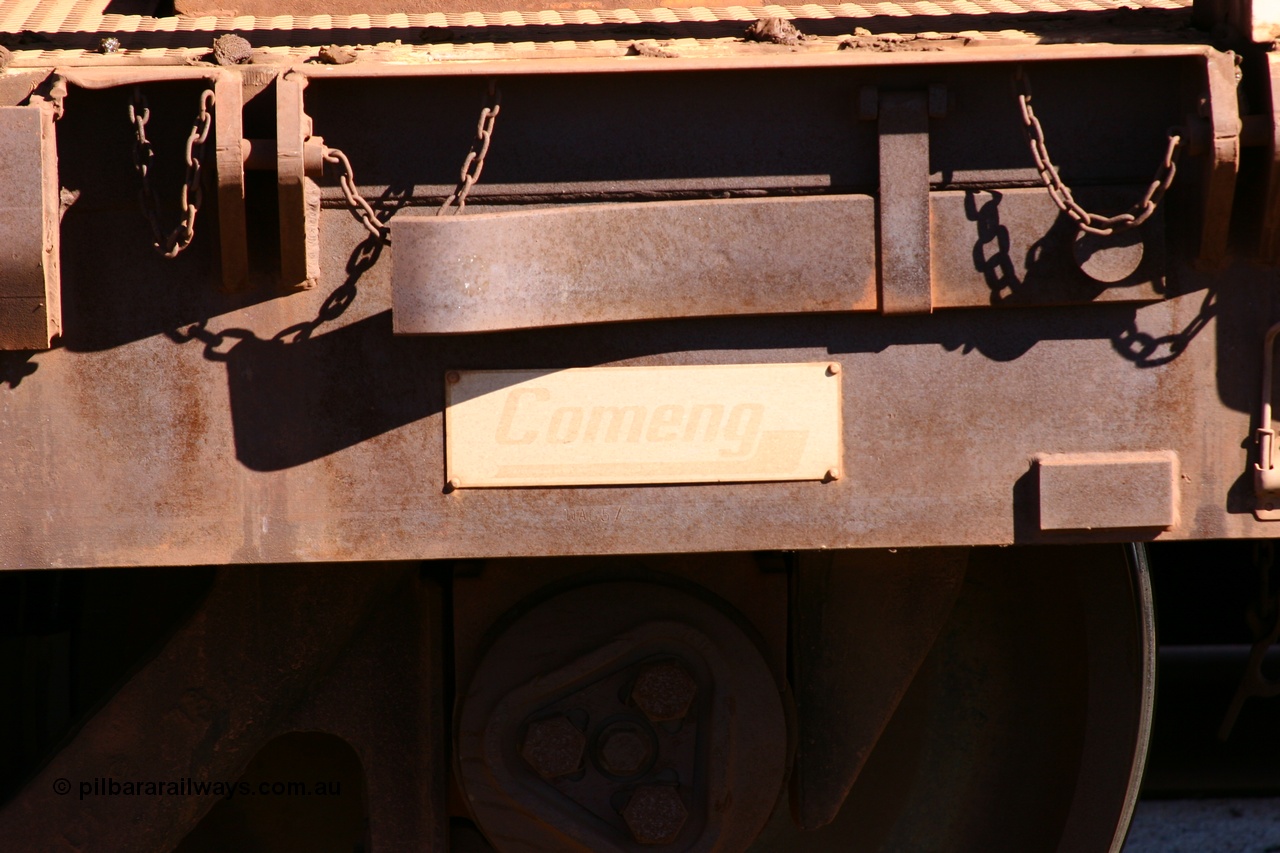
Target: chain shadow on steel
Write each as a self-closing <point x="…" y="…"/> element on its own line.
<point x="297" y="395"/>
<point x="1045" y="261"/>
<point x="116" y="289"/>
<point x="15" y="366"/>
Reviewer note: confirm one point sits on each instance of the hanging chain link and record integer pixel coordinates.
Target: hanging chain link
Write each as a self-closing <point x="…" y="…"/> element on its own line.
<point x="473" y="164"/>
<point x="172" y="244"/>
<point x="360" y="207"/>
<point x="1061" y="194"/>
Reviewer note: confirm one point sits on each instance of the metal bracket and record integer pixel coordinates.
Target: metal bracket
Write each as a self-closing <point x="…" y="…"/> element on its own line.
<point x="1266" y="477"/>
<point x="30" y="280"/>
<point x="906" y="280"/>
<point x="229" y="169"/>
<point x="298" y="155"/>
<point x="1269" y="237"/>
<point x="1218" y="188"/>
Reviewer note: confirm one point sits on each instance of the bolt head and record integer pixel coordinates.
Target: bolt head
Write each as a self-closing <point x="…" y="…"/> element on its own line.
<point x="664" y="691"/>
<point x="655" y="814"/>
<point x="623" y="750"/>
<point x="553" y="747"/>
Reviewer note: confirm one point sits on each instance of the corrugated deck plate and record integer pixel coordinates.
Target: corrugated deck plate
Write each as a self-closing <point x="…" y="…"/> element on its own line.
<point x="46" y="32"/>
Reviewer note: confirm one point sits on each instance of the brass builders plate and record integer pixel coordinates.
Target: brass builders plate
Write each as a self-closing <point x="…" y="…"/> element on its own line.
<point x="632" y="425"/>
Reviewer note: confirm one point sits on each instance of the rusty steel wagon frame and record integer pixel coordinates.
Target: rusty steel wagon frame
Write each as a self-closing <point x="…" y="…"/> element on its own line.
<point x="706" y="363"/>
<point x="1016" y="388"/>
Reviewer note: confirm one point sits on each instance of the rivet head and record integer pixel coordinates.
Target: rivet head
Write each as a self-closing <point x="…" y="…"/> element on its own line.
<point x="832" y="474"/>
<point x="664" y="691"/>
<point x="553" y="747"/>
<point x="452" y="377"/>
<point x="453" y="485"/>
<point x="655" y="814"/>
<point x="833" y="369"/>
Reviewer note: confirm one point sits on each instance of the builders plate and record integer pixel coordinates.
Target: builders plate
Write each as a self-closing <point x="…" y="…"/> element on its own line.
<point x="636" y="425"/>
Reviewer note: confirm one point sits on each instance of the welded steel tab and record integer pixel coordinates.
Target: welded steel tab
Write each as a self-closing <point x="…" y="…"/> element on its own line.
<point x="607" y="263"/>
<point x="1089" y="491"/>
<point x="30" y="283"/>
<point x="905" y="270"/>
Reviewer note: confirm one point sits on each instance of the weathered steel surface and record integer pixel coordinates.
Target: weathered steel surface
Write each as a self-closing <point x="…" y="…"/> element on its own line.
<point x="606" y="263"/>
<point x="903" y="204"/>
<point x="1083" y="491"/>
<point x="224" y="684"/>
<point x="863" y="622"/>
<point x="134" y="448"/>
<point x="179" y="425"/>
<point x="30" y="278"/>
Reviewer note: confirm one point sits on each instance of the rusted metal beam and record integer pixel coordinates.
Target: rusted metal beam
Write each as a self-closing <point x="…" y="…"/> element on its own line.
<point x="606" y="263"/>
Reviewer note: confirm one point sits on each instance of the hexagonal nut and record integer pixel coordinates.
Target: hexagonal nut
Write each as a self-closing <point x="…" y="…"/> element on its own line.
<point x="655" y="814"/>
<point x="664" y="691"/>
<point x="553" y="747"/>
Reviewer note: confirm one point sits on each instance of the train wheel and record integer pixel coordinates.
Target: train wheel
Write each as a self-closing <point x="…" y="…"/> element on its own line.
<point x="1026" y="727"/>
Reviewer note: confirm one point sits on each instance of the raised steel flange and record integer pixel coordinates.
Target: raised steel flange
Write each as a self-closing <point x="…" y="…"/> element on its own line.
<point x="622" y="716"/>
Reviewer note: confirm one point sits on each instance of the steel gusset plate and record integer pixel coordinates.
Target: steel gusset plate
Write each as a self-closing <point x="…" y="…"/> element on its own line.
<point x="622" y="716"/>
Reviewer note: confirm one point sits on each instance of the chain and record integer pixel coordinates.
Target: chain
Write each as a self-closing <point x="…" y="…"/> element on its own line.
<point x="360" y="207"/>
<point x="1061" y="193"/>
<point x="473" y="165"/>
<point x="172" y="244"/>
